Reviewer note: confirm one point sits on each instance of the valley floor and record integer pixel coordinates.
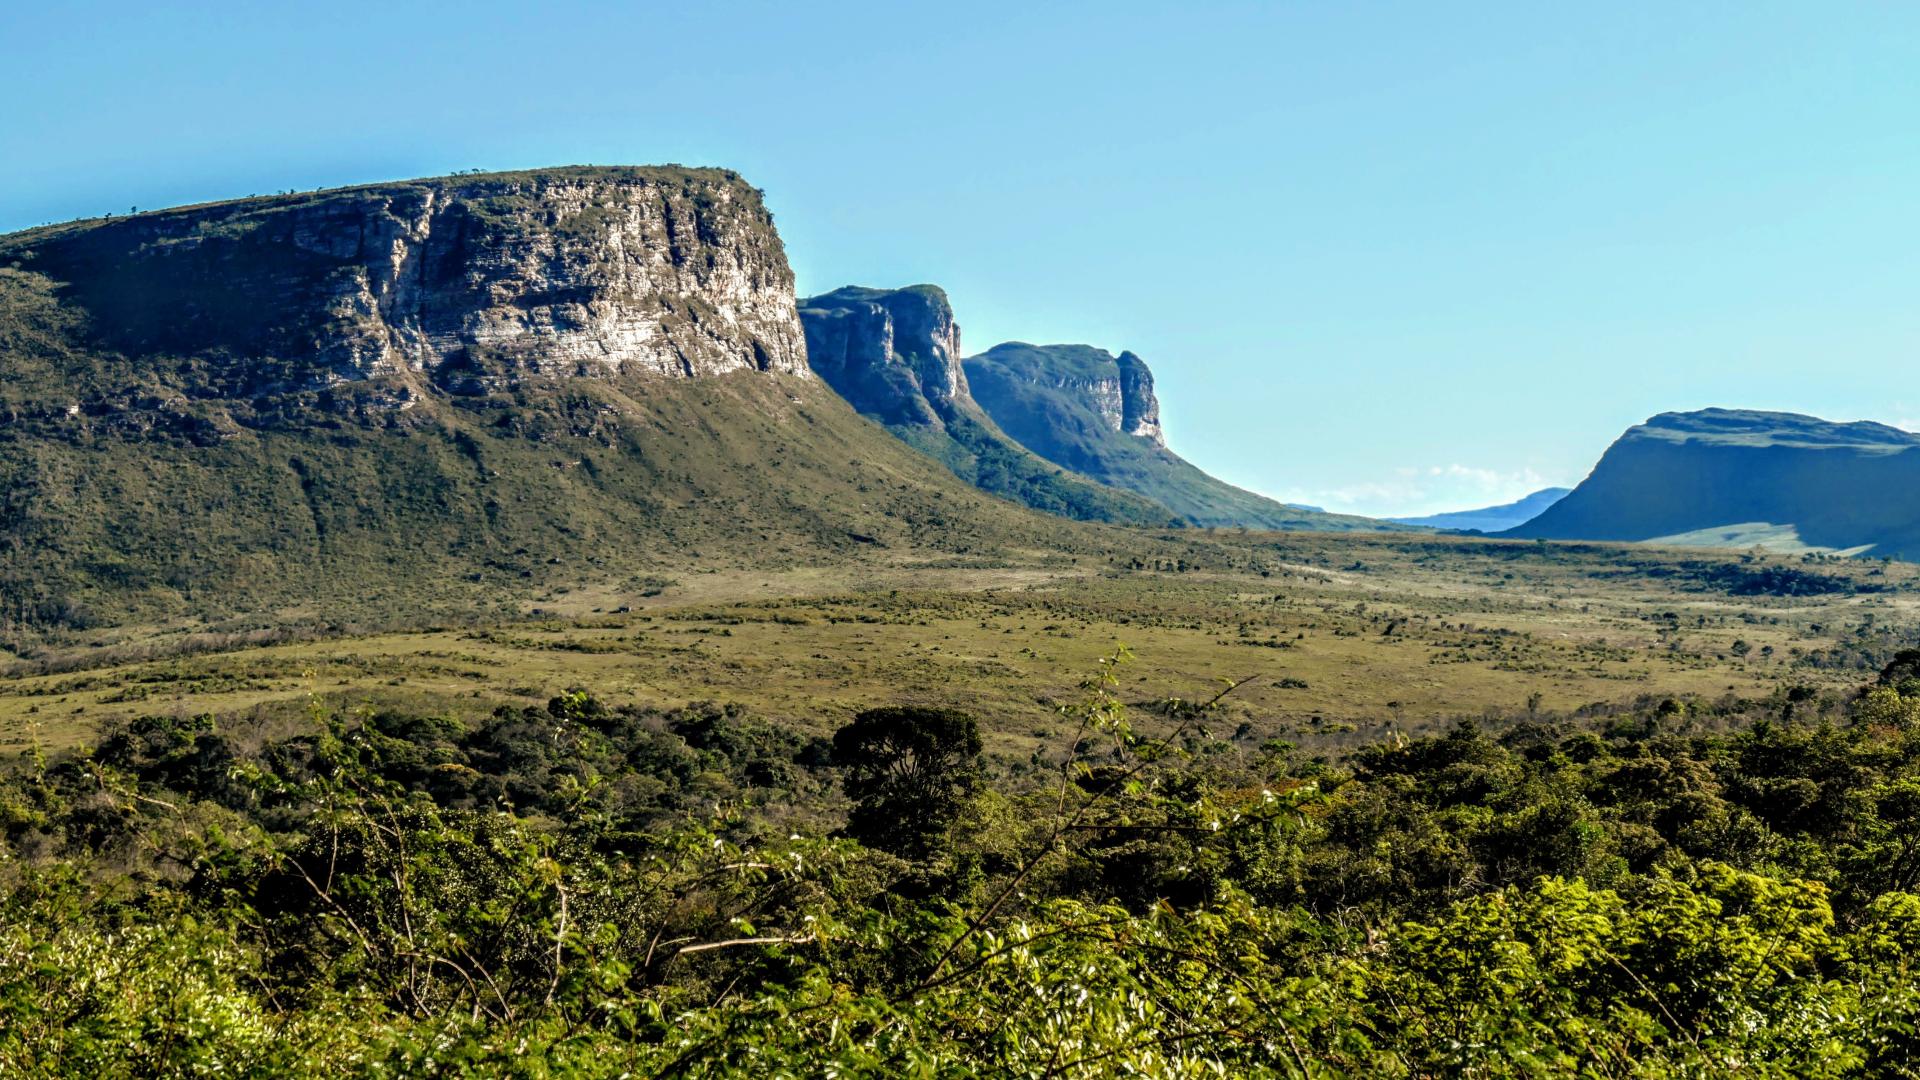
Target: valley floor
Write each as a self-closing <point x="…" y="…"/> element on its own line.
<point x="1341" y="641"/>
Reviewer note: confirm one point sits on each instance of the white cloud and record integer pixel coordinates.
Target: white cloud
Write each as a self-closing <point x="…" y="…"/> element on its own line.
<point x="1427" y="489"/>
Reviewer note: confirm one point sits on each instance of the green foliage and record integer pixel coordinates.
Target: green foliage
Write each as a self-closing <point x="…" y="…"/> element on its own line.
<point x="910" y="772"/>
<point x="388" y="893"/>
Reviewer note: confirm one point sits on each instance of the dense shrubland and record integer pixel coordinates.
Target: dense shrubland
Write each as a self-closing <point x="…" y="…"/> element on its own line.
<point x="579" y="890"/>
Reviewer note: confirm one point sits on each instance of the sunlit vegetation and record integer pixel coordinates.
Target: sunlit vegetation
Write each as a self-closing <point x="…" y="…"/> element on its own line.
<point x="582" y="890"/>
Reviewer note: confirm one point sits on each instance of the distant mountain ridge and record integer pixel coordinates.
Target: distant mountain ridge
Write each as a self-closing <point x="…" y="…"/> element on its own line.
<point x="1493" y="518"/>
<point x="1085" y="409"/>
<point x="1734" y="477"/>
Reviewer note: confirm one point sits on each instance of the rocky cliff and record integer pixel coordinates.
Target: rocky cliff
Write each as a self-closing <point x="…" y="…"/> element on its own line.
<point x="408" y="398"/>
<point x="461" y="284"/>
<point x="894" y="354"/>
<point x="1095" y="413"/>
<point x="1740" y="478"/>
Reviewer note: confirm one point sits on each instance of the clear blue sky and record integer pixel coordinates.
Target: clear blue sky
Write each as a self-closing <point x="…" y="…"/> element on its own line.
<point x="1388" y="258"/>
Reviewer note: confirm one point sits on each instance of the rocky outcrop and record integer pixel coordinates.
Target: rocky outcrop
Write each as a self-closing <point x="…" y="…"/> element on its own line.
<point x="435" y="397"/>
<point x="463" y="283"/>
<point x="1088" y="410"/>
<point x="1139" y="409"/>
<point x="893" y="353"/>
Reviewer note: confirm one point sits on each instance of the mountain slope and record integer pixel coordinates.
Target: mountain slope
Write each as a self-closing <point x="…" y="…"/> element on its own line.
<point x="894" y="354"/>
<point x="1087" y="410"/>
<point x="1493" y="518"/>
<point x="399" y="399"/>
<point x="1725" y="476"/>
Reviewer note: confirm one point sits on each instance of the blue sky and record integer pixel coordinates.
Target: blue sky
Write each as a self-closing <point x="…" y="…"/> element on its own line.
<point x="1388" y="258"/>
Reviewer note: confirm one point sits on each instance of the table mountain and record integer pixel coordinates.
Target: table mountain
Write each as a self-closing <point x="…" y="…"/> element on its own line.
<point x="1738" y="478"/>
<point x="894" y="354"/>
<point x="1088" y="410"/>
<point x="431" y="395"/>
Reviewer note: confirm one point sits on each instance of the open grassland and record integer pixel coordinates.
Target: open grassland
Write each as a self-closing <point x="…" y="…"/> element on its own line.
<point x="1346" y="640"/>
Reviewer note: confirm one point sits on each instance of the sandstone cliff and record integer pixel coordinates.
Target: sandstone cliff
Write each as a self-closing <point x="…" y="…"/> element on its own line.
<point x="435" y="396"/>
<point x="1095" y="413"/>
<point x="894" y="354"/>
<point x="462" y="284"/>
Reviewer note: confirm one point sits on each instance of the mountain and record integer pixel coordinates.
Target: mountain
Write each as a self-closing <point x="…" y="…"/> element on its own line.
<point x="1738" y="478"/>
<point x="894" y="354"/>
<point x="1088" y="410"/>
<point x="1493" y="518"/>
<point x="432" y="395"/>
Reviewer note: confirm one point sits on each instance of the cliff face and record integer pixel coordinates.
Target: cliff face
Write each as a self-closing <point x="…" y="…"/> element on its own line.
<point x="434" y="396"/>
<point x="1726" y="477"/>
<point x="1139" y="409"/>
<point x="894" y="354"/>
<point x="462" y="284"/>
<point x="1095" y="413"/>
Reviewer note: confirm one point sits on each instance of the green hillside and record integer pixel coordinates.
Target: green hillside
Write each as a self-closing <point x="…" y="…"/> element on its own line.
<point x="380" y="438"/>
<point x="1074" y="405"/>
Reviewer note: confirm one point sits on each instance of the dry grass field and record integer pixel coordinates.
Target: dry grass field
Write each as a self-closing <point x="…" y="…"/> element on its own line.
<point x="1344" y="639"/>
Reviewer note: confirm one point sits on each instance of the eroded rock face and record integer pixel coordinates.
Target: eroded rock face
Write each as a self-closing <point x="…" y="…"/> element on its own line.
<point x="893" y="353"/>
<point x="1139" y="409"/>
<point x="1115" y="390"/>
<point x="461" y="283"/>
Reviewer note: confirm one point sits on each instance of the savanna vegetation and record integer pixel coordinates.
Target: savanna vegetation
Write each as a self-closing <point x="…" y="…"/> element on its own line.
<point x="578" y="889"/>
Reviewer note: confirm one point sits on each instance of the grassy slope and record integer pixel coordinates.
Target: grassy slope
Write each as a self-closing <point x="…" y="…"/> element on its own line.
<point x="1012" y="382"/>
<point x="597" y="482"/>
<point x="137" y="485"/>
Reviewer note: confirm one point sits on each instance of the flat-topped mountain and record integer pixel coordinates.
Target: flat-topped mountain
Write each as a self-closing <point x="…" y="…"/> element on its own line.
<point x="432" y="395"/>
<point x="1491" y="519"/>
<point x="894" y="354"/>
<point x="462" y="283"/>
<point x="1740" y="478"/>
<point x="1088" y="410"/>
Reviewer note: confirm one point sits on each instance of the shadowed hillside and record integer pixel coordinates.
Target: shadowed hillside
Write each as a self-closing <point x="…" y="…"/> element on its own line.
<point x="1724" y="477"/>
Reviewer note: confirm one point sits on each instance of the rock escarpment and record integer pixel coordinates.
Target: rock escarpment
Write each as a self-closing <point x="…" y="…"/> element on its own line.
<point x="1740" y="478"/>
<point x="462" y="284"/>
<point x="433" y="396"/>
<point x="1139" y="410"/>
<point x="1096" y="413"/>
<point x="894" y="354"/>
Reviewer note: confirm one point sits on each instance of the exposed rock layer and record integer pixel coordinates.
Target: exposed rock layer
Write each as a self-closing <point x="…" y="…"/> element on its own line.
<point x="1095" y="413"/>
<point x="895" y="355"/>
<point x="463" y="283"/>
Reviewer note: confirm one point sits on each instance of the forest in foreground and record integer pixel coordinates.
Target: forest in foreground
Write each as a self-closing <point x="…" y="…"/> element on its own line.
<point x="1693" y="887"/>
